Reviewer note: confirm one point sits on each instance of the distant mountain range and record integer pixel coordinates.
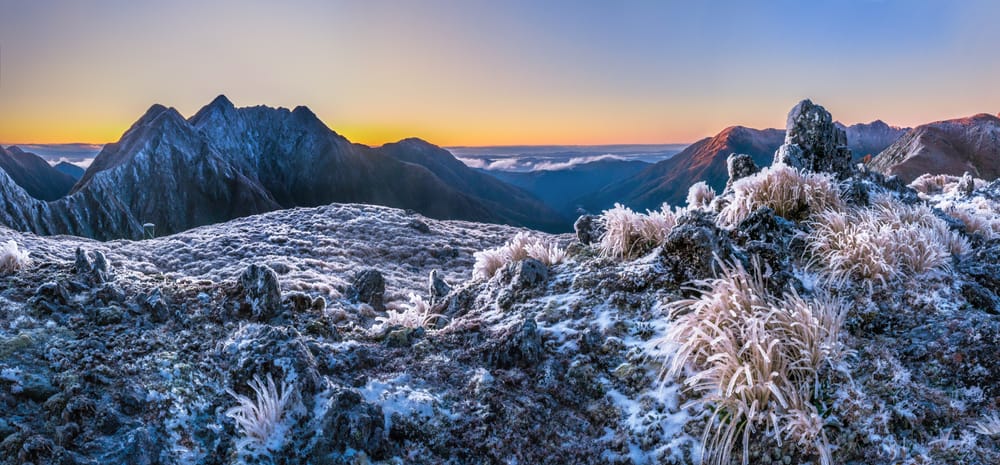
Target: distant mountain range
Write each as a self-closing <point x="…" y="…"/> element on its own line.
<point x="946" y="147"/>
<point x="705" y="160"/>
<point x="34" y="174"/>
<point x="225" y="162"/>
<point x="562" y="189"/>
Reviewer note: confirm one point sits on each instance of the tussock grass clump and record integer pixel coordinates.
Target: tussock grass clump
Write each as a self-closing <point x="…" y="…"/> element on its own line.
<point x="629" y="235"/>
<point x="414" y="315"/>
<point x="980" y="216"/>
<point x="791" y="193"/>
<point x="756" y="360"/>
<point x="259" y="419"/>
<point x="700" y="195"/>
<point x="933" y="183"/>
<point x="13" y="259"/>
<point x="521" y="246"/>
<point x="887" y="241"/>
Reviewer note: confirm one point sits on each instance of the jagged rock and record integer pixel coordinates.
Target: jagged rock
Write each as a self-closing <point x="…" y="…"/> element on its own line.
<point x="261" y="292"/>
<point x="520" y="346"/>
<point x="82" y="264"/>
<point x="438" y="288"/>
<point x="691" y="248"/>
<point x="589" y="229"/>
<point x="93" y="272"/>
<point x="813" y="142"/>
<point x="348" y="423"/>
<point x="155" y="305"/>
<point x="142" y="447"/>
<point x="529" y="273"/>
<point x="855" y="192"/>
<point x="51" y="297"/>
<point x="369" y="288"/>
<point x="739" y="166"/>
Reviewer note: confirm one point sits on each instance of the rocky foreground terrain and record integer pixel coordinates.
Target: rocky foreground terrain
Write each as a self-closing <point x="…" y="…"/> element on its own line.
<point x="352" y="334"/>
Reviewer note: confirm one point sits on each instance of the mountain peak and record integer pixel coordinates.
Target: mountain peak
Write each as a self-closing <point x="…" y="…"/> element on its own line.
<point x="221" y="106"/>
<point x="221" y="102"/>
<point x="14" y="150"/>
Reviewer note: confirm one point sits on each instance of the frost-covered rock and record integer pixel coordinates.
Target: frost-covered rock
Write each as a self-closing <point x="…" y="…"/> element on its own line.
<point x="813" y="142"/>
<point x="739" y="166"/>
<point x="437" y="287"/>
<point x="261" y="292"/>
<point x="589" y="229"/>
<point x="368" y="287"/>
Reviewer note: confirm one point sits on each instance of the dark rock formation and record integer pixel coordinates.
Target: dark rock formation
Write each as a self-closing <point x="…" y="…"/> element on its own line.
<point x="589" y="229"/>
<point x="693" y="247"/>
<point x="813" y="142"/>
<point x="437" y="287"/>
<point x="519" y="347"/>
<point x="34" y="174"/>
<point x="739" y="166"/>
<point x="261" y="293"/>
<point x="368" y="287"/>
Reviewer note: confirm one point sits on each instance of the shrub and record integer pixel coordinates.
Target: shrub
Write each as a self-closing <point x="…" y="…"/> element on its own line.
<point x="415" y="315"/>
<point x="700" y="195"/>
<point x="521" y="246"/>
<point x="12" y="259"/>
<point x="259" y="419"/>
<point x="757" y="360"/>
<point x="628" y="234"/>
<point x="883" y="242"/>
<point x="791" y="193"/>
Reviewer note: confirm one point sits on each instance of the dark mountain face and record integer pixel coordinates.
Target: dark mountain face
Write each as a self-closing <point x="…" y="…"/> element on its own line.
<point x="871" y="138"/>
<point x="34" y="174"/>
<point x="70" y="170"/>
<point x="561" y="189"/>
<point x="512" y="204"/>
<point x="226" y="162"/>
<point x="946" y="147"/>
<point x="705" y="160"/>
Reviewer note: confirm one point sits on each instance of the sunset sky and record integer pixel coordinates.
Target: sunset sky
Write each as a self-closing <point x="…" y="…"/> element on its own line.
<point x="477" y="72"/>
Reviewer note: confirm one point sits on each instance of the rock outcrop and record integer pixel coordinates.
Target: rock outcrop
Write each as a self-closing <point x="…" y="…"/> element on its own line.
<point x="813" y="142"/>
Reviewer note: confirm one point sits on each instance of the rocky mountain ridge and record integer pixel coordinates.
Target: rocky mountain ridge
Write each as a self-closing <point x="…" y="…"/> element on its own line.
<point x="951" y="147"/>
<point x="225" y="163"/>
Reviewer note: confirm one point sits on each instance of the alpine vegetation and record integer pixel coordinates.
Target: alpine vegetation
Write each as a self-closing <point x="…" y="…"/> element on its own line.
<point x="521" y="246"/>
<point x="792" y="193"/>
<point x="756" y="360"/>
<point x="700" y="195"/>
<point x="416" y="314"/>
<point x="13" y="259"/>
<point x="874" y="245"/>
<point x="259" y="419"/>
<point x="628" y="235"/>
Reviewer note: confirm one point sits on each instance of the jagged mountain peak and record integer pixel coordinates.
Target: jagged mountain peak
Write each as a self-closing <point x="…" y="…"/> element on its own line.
<point x="220" y="107"/>
<point x="14" y="150"/>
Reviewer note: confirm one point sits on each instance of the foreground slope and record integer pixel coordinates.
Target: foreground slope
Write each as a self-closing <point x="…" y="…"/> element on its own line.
<point x="950" y="147"/>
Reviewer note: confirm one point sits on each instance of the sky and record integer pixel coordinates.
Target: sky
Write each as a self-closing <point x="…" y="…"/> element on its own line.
<point x="479" y="72"/>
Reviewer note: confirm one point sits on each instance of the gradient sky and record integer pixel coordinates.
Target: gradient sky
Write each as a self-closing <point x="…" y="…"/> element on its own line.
<point x="477" y="72"/>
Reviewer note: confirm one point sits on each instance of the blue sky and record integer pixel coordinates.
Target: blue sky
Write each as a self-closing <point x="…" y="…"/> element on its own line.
<point x="485" y="72"/>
